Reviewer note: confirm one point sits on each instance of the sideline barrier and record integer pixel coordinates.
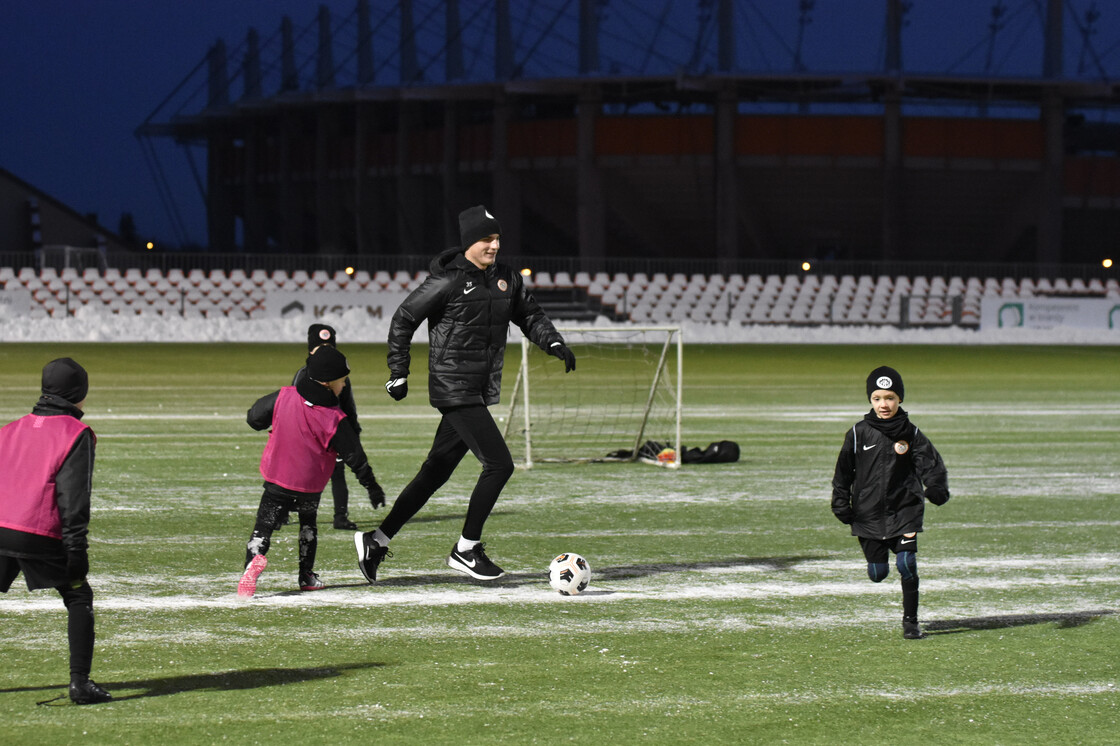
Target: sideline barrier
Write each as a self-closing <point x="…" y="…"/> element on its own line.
<point x="802" y="300"/>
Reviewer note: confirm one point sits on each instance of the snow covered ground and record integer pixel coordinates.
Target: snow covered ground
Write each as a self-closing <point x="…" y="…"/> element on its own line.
<point x="93" y="326"/>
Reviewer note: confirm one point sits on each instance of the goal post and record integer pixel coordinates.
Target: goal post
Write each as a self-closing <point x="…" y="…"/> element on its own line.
<point x="626" y="390"/>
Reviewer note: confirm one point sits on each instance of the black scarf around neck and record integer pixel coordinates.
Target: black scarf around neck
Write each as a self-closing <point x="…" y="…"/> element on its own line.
<point x="316" y="393"/>
<point x="896" y="428"/>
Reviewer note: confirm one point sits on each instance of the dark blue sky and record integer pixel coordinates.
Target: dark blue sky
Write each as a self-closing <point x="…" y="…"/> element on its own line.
<point x="80" y="75"/>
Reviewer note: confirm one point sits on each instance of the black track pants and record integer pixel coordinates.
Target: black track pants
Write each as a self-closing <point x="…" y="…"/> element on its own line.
<point x="461" y="429"/>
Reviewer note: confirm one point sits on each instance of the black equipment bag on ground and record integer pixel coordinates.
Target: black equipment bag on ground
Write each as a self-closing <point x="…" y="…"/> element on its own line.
<point x="723" y="452"/>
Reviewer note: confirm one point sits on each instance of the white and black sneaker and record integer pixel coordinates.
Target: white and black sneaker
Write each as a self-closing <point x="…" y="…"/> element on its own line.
<point x="310" y="581"/>
<point x="370" y="554"/>
<point x="475" y="563"/>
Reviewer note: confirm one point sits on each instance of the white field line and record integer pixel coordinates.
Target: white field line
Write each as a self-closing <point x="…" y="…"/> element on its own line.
<point x="823" y="414"/>
<point x="667" y="619"/>
<point x="687" y="705"/>
<point x="918" y="694"/>
<point x="248" y="510"/>
<point x="835" y="526"/>
<point x="94" y="416"/>
<point x="1092" y="579"/>
<point x="998" y="409"/>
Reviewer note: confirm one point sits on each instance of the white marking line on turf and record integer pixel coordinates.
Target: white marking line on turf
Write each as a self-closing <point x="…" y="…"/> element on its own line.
<point x="826" y="414"/>
<point x="240" y="417"/>
<point x="767" y="531"/>
<point x="914" y="694"/>
<point x="665" y="587"/>
<point x="822" y="414"/>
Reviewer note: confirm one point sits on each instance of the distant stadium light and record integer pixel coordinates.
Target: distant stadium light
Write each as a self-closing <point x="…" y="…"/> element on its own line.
<point x="349" y="270"/>
<point x="526" y="272"/>
<point x="150" y="245"/>
<point x="806" y="266"/>
<point x="1107" y="263"/>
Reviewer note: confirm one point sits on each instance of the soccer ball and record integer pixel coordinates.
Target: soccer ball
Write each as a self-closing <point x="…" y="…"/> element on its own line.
<point x="569" y="574"/>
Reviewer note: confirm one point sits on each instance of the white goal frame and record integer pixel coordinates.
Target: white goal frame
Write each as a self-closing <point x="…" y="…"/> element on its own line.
<point x="522" y="396"/>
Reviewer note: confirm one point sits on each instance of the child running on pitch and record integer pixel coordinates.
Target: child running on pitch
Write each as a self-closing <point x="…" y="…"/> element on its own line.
<point x="885" y="471"/>
<point x="308" y="432"/>
<point x="321" y="334"/>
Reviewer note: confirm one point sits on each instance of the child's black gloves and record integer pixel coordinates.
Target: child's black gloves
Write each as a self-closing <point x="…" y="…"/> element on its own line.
<point x="376" y="494"/>
<point x="373" y="489"/>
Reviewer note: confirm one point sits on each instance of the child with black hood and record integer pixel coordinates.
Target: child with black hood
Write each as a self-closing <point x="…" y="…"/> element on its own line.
<point x="885" y="471"/>
<point x="308" y="432"/>
<point x="45" y="506"/>
<point x="318" y="335"/>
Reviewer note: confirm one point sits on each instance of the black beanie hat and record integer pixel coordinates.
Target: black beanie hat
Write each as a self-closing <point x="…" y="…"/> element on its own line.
<point x="320" y="334"/>
<point x="475" y="224"/>
<point x="327" y="364"/>
<point x="887" y="379"/>
<point x="65" y="379"/>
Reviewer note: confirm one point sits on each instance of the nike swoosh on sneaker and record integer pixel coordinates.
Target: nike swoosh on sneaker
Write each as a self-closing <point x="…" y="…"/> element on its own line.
<point x="464" y="560"/>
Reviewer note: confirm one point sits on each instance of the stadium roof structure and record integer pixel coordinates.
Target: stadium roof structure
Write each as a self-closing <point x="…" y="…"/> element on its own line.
<point x="390" y="98"/>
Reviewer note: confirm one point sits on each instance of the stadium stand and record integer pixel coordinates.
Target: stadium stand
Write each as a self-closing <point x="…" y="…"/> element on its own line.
<point x="806" y="299"/>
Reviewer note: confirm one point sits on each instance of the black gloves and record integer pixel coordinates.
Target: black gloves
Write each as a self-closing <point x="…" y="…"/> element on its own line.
<point x="376" y="494"/>
<point x="77" y="566"/>
<point x="560" y="350"/>
<point x="397" y="388"/>
<point x="369" y="481"/>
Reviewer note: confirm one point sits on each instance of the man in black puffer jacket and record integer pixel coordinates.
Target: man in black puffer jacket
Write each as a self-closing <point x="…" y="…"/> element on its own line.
<point x="469" y="301"/>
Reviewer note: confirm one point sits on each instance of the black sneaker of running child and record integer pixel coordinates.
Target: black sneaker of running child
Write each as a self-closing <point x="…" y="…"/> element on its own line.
<point x="370" y="554"/>
<point x="474" y="562"/>
<point x="88" y="692"/>
<point x="343" y="523"/>
<point x="310" y="581"/>
<point x="911" y="630"/>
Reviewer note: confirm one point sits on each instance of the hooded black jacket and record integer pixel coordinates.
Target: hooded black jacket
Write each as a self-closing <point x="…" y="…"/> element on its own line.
<point x="878" y="490"/>
<point x="469" y="311"/>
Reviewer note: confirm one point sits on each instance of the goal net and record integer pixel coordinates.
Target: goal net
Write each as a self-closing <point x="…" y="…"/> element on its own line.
<point x="626" y="390"/>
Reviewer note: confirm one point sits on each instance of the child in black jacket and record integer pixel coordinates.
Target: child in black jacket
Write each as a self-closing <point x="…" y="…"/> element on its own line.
<point x="885" y="471"/>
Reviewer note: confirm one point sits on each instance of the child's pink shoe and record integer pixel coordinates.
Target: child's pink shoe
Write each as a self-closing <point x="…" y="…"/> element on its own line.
<point x="248" y="585"/>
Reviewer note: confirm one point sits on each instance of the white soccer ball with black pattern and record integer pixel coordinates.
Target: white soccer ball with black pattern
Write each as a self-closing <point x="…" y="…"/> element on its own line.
<point x="569" y="574"/>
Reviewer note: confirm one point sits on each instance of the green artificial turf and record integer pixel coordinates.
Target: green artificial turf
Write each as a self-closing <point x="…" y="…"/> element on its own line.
<point x="727" y="605"/>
